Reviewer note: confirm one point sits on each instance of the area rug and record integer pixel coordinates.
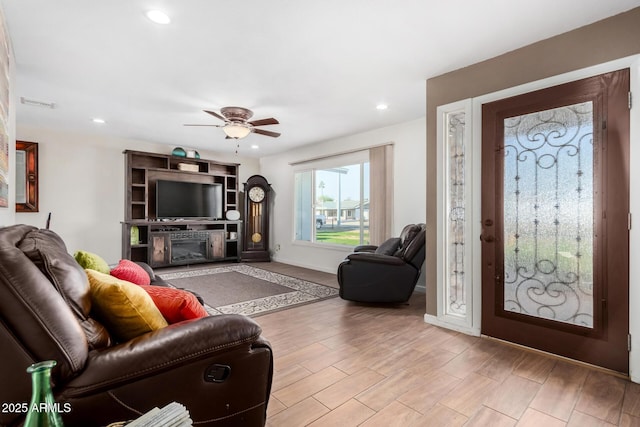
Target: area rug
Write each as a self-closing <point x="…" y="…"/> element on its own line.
<point x="248" y="290"/>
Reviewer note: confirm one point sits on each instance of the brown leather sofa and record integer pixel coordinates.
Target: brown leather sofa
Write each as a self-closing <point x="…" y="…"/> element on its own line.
<point x="219" y="367"/>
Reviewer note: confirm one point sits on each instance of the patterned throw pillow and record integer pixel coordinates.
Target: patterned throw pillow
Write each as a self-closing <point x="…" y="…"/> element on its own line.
<point x="124" y="308"/>
<point x="131" y="272"/>
<point x="88" y="260"/>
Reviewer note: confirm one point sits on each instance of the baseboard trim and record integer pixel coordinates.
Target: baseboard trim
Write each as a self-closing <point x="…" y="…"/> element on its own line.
<point x="433" y="320"/>
<point x="298" y="264"/>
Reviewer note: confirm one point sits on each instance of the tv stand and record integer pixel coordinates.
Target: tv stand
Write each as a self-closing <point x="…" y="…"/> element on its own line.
<point x="192" y="242"/>
<point x="177" y="241"/>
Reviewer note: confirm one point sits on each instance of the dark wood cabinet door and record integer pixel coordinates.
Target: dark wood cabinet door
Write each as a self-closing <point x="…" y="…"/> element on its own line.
<point x="160" y="253"/>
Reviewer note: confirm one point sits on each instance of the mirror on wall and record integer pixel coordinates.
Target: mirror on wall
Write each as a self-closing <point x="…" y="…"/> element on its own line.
<point x="26" y="176"/>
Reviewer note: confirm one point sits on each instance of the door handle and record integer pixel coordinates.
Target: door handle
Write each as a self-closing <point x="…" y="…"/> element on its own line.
<point x="488" y="238"/>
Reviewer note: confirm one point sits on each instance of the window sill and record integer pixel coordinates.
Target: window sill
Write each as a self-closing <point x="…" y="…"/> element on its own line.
<point x="328" y="246"/>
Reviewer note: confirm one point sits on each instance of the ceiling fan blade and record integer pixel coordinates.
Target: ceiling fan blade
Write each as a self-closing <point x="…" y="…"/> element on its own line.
<point x="265" y="132"/>
<point x="214" y="114"/>
<point x="264" y="122"/>
<point x="215" y="126"/>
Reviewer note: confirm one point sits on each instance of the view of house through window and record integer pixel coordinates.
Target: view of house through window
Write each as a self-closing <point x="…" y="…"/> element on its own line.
<point x="332" y="204"/>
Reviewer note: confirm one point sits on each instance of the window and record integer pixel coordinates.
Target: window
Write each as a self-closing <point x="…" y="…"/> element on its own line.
<point x="454" y="255"/>
<point x="332" y="200"/>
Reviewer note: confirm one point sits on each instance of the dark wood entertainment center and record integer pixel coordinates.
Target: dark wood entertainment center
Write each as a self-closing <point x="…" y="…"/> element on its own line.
<point x="166" y="242"/>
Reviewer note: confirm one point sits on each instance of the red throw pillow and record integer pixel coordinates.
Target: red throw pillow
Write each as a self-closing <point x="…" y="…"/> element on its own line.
<point x="131" y="272"/>
<point x="175" y="305"/>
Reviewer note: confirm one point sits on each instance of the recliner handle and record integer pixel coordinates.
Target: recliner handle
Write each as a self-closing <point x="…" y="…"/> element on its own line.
<point x="217" y="373"/>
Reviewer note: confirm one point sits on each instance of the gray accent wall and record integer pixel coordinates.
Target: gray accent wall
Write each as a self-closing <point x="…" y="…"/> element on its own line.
<point x="603" y="41"/>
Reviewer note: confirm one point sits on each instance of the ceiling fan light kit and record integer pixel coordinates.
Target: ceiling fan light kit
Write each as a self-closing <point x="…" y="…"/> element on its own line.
<point x="236" y="130"/>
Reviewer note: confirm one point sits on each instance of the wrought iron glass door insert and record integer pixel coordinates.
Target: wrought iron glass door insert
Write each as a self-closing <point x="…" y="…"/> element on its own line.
<point x="548" y="214"/>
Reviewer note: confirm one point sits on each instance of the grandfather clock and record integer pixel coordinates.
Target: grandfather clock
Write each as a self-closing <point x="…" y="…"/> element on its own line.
<point x="255" y="245"/>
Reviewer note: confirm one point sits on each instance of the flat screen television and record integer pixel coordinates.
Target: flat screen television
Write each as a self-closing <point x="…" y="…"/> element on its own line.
<point x="175" y="199"/>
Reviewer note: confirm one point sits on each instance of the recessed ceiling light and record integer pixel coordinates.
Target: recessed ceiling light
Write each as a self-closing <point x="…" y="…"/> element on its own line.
<point x="98" y="120"/>
<point x="255" y="147"/>
<point x="382" y="107"/>
<point x="158" y="17"/>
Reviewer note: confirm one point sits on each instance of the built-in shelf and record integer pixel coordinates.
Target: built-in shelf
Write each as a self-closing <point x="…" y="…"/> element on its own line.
<point x="143" y="170"/>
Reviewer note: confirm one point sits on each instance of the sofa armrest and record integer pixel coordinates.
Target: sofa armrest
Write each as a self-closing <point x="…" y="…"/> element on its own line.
<point x="375" y="258"/>
<point x="164" y="349"/>
<point x="365" y="248"/>
<point x="155" y="280"/>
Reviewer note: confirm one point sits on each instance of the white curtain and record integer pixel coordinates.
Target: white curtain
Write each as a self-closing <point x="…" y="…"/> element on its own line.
<point x="381" y="193"/>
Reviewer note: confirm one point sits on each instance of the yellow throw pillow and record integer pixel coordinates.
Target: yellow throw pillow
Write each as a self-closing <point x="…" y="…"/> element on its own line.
<point x="124" y="308"/>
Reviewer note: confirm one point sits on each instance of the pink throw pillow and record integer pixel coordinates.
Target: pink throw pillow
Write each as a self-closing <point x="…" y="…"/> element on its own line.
<point x="131" y="272"/>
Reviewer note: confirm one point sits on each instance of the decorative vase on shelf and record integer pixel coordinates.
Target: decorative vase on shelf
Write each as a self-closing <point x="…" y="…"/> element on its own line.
<point x="179" y="152"/>
<point x="43" y="409"/>
<point x="135" y="235"/>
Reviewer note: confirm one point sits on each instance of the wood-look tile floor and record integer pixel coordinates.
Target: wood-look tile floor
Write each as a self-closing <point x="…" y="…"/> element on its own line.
<point x="339" y="363"/>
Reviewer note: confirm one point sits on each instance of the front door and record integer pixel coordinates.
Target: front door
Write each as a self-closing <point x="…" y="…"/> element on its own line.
<point x="555" y="218"/>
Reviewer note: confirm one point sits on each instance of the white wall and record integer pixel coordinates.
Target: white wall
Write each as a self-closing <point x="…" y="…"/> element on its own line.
<point x="409" y="188"/>
<point x="82" y="184"/>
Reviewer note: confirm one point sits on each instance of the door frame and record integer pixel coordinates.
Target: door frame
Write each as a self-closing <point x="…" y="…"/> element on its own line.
<point x="513" y="277"/>
<point x="632" y="62"/>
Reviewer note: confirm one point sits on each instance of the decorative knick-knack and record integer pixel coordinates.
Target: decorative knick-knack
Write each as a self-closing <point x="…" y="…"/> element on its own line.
<point x="135" y="235"/>
<point x="179" y="152"/>
<point x="43" y="410"/>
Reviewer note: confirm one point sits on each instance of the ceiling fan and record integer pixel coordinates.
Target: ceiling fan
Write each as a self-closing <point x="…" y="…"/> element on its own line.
<point x="237" y="125"/>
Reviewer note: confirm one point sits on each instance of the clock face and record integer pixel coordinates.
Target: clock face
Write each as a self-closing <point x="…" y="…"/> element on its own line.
<point x="256" y="194"/>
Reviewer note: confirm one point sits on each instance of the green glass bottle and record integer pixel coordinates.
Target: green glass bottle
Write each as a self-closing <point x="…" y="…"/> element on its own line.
<point x="43" y="410"/>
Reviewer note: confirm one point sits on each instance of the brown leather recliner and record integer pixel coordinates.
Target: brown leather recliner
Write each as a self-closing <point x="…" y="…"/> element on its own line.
<point x="219" y="367"/>
<point x="387" y="273"/>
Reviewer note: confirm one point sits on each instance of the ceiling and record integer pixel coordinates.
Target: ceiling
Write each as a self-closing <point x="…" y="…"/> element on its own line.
<point x="319" y="67"/>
